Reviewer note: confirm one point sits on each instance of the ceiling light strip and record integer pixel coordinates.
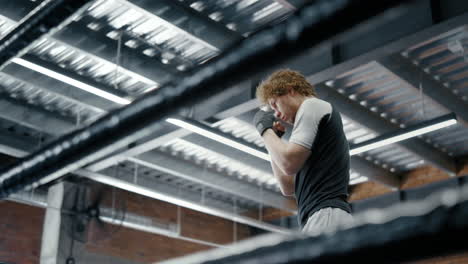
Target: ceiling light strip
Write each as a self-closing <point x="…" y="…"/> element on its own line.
<point x="71" y="81"/>
<point x="405" y="133"/>
<point x="217" y="137"/>
<point x="169" y="25"/>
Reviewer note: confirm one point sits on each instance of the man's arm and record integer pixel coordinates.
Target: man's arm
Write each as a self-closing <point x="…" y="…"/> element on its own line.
<point x="288" y="157"/>
<point x="286" y="182"/>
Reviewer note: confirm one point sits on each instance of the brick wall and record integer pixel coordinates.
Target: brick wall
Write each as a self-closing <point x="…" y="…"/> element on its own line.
<point x="21" y="225"/>
<point x="411" y="179"/>
<point x="422" y="176"/>
<point x="452" y="259"/>
<point x="147" y="248"/>
<point x="270" y="213"/>
<point x="21" y="232"/>
<point x="142" y="247"/>
<point x="367" y="190"/>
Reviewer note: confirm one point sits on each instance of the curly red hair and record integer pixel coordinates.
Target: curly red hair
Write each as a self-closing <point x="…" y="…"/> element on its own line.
<point x="279" y="83"/>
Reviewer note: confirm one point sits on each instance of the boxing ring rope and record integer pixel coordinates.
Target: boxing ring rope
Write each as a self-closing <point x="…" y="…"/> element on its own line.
<point x="46" y="16"/>
<point x="306" y="29"/>
<point x="434" y="226"/>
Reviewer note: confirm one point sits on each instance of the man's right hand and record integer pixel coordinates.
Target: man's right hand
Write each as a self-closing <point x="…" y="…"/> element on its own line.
<point x="264" y="120"/>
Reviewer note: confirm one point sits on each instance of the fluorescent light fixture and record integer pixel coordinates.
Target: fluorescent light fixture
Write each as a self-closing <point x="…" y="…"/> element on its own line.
<point x="71" y="81"/>
<point x="408" y="132"/>
<point x="211" y="133"/>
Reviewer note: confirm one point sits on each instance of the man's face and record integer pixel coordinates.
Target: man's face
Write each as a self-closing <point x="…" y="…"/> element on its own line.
<point x="284" y="107"/>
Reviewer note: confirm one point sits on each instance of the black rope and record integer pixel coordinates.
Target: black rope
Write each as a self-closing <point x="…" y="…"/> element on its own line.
<point x="46" y="16"/>
<point x="409" y="238"/>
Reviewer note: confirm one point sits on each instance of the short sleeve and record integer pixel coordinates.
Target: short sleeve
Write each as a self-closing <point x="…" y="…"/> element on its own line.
<point x="311" y="112"/>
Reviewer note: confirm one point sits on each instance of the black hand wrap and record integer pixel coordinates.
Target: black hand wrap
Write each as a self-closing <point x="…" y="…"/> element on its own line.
<point x="279" y="133"/>
<point x="264" y="120"/>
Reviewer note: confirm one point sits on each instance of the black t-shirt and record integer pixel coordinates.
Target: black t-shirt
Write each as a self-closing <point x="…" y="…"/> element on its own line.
<point x="323" y="180"/>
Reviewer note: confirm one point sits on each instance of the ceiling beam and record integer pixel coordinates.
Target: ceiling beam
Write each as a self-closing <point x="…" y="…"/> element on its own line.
<point x="414" y="76"/>
<point x="139" y="147"/>
<point x="36" y="24"/>
<point x="16" y="10"/>
<point x="78" y="35"/>
<point x="46" y="83"/>
<point x="388" y="49"/>
<point x="33" y="117"/>
<point x="16" y="147"/>
<point x="191" y="21"/>
<point x="229" y="99"/>
<point x="230" y="152"/>
<point x="161" y="187"/>
<point x="51" y="40"/>
<point x="166" y="163"/>
<point x="66" y="93"/>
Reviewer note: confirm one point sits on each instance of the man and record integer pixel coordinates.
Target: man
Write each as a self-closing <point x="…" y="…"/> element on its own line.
<point x="314" y="165"/>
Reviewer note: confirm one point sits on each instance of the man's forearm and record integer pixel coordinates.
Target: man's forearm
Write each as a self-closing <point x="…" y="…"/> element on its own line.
<point x="289" y="157"/>
<point x="275" y="146"/>
<point x="286" y="182"/>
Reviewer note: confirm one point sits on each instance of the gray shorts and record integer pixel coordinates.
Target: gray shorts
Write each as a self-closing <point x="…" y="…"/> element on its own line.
<point x="326" y="220"/>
